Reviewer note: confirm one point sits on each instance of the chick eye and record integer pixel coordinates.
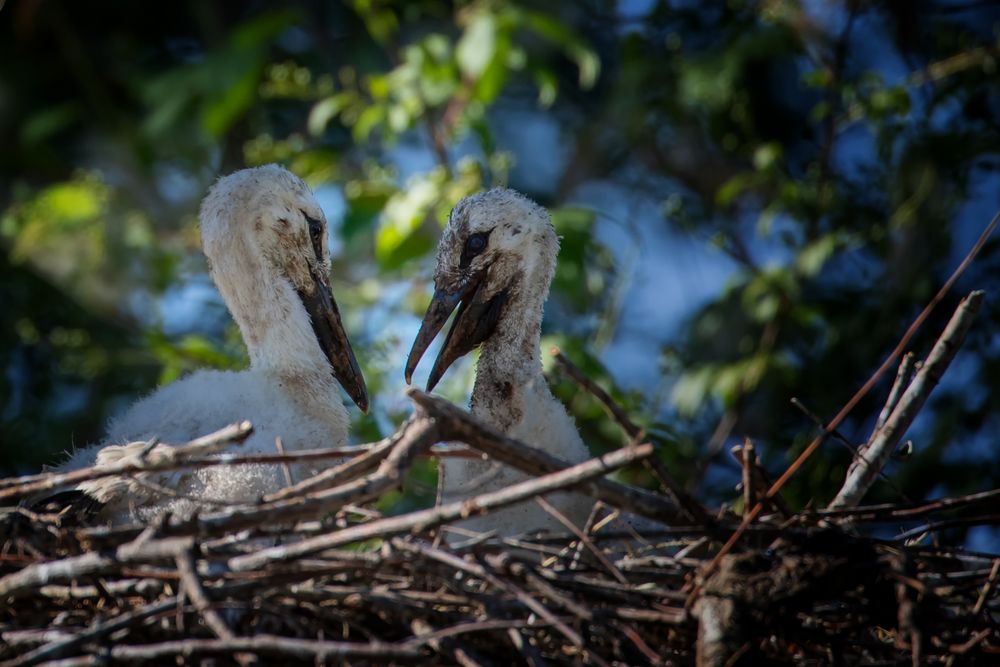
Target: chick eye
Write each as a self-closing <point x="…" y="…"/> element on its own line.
<point x="476" y="243"/>
<point x="315" y="228"/>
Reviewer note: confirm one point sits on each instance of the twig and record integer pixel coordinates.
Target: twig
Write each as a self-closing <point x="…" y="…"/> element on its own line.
<point x="984" y="594"/>
<point x="877" y="452"/>
<point x="481" y="572"/>
<point x="443" y="643"/>
<point x="366" y="462"/>
<point x="99" y="629"/>
<point x="580" y="535"/>
<point x="234" y="433"/>
<point x="695" y="511"/>
<point x="609" y="404"/>
<point x="901" y="382"/>
<point x="280" y="446"/>
<point x="457" y="424"/>
<point x="416" y="436"/>
<point x="66" y="569"/>
<point x="890" y="511"/>
<point x="302" y="649"/>
<point x="842" y="439"/>
<point x="425" y="519"/>
<point x="195" y="592"/>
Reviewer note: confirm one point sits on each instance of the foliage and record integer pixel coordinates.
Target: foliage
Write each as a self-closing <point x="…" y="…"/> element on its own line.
<point x="834" y="159"/>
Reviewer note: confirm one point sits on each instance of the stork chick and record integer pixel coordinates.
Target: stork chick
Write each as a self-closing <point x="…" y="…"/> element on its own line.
<point x="495" y="263"/>
<point x="265" y="237"/>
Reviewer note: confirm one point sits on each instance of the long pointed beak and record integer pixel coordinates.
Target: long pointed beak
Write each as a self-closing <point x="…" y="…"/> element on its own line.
<point x="332" y="339"/>
<point x="475" y="322"/>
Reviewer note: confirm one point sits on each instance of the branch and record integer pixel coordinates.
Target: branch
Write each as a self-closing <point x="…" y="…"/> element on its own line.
<point x="139" y="550"/>
<point x="457" y="424"/>
<point x="301" y="649"/>
<point x="696" y="513"/>
<point x="416" y="437"/>
<point x="424" y="519"/>
<point x="193" y="588"/>
<point x="343" y="472"/>
<point x="895" y="393"/>
<point x="209" y="444"/>
<point x="873" y="457"/>
<point x="96" y="631"/>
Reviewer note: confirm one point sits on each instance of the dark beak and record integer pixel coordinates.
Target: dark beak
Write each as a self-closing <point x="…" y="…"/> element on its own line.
<point x="332" y="339"/>
<point x="475" y="322"/>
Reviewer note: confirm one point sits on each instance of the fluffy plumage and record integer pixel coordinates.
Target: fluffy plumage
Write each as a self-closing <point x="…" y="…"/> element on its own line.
<point x="502" y="288"/>
<point x="265" y="239"/>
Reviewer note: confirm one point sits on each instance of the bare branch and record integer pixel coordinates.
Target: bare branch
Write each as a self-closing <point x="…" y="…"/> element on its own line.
<point x="873" y="457"/>
<point x="425" y="519"/>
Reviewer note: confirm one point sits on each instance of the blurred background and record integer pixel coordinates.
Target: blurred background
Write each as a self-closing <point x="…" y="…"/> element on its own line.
<point x="754" y="198"/>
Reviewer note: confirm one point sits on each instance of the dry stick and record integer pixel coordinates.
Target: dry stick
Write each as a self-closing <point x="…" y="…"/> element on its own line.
<point x="234" y="433"/>
<point x="898" y="385"/>
<point x="15" y="638"/>
<point x="91" y="563"/>
<point x="873" y="457"/>
<point x="846" y="410"/>
<point x="984" y="594"/>
<point x="13" y="484"/>
<point x="416" y="437"/>
<point x="532" y="656"/>
<point x="644" y="648"/>
<point x="580" y="535"/>
<point x="892" y="511"/>
<point x="300" y="456"/>
<point x="194" y="590"/>
<point x="744" y="456"/>
<point x="280" y="446"/>
<point x="842" y="439"/>
<point x="425" y="519"/>
<point x="99" y="629"/>
<point x="301" y="649"/>
<point x="477" y="570"/>
<point x="550" y="592"/>
<point x="615" y="410"/>
<point x="457" y="424"/>
<point x="344" y="472"/>
<point x="987" y="520"/>
<point x="694" y="509"/>
<point x="443" y="645"/>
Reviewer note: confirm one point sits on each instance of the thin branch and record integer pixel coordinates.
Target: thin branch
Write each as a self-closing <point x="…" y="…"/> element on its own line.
<point x="195" y="592"/>
<point x="695" y="511"/>
<point x="457" y="424"/>
<point x="901" y="382"/>
<point x="877" y="452"/>
<point x="214" y="442"/>
<point x="426" y="519"/>
<point x="302" y="649"/>
<point x="481" y="572"/>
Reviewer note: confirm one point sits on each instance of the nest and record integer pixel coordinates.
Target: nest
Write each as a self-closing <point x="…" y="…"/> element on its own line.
<point x="308" y="575"/>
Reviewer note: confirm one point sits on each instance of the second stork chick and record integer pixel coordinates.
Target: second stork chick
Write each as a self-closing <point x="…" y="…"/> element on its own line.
<point x="495" y="263"/>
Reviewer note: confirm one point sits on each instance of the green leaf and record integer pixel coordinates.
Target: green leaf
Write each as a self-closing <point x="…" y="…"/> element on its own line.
<point x="477" y="47"/>
<point x="812" y="257"/>
<point x="326" y="110"/>
<point x="548" y="86"/>
<point x="367" y="121"/>
<point x="396" y="239"/>
<point x="766" y="155"/>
